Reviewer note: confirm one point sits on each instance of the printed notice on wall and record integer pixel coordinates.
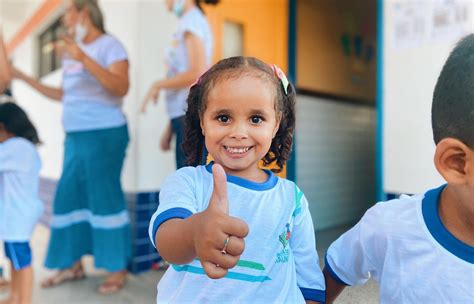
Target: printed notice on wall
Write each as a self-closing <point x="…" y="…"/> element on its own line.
<point x="451" y="20"/>
<point x="414" y="23"/>
<point x="409" y="24"/>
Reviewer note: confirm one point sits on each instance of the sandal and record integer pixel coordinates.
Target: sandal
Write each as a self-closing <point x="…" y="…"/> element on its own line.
<point x="4" y="284"/>
<point x="67" y="275"/>
<point x="113" y="283"/>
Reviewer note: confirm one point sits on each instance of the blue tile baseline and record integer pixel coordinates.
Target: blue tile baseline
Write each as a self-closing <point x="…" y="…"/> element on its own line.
<point x="141" y="207"/>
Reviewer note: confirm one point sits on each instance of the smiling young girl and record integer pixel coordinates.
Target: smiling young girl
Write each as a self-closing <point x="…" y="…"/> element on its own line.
<point x="231" y="219"/>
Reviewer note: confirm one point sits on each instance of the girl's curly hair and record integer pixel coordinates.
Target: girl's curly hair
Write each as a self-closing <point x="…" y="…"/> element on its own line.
<point x="231" y="68"/>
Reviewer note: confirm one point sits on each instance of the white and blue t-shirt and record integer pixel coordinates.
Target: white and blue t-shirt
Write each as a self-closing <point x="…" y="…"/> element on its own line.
<point x="404" y="246"/>
<point x="20" y="206"/>
<point x="279" y="263"/>
<point x="177" y="58"/>
<point x="87" y="104"/>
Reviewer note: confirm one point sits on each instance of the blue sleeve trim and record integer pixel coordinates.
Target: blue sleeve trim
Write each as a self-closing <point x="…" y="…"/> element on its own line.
<point x="314" y="294"/>
<point x="332" y="273"/>
<point x="181" y="213"/>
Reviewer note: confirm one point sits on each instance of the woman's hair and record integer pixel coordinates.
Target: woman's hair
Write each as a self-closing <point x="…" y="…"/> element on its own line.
<point x="198" y="2"/>
<point x="94" y="10"/>
<point x="232" y="68"/>
<point x="15" y="121"/>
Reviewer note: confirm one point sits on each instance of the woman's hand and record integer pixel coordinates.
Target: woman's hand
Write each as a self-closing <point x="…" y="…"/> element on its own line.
<point x="152" y="95"/>
<point x="70" y="47"/>
<point x="16" y="73"/>
<point x="165" y="142"/>
<point x="113" y="78"/>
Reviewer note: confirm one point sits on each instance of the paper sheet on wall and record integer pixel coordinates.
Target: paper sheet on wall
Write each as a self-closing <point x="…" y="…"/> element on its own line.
<point x="426" y="22"/>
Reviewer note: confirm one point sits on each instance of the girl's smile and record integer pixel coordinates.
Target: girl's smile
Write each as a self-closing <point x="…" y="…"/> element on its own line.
<point x="237" y="151"/>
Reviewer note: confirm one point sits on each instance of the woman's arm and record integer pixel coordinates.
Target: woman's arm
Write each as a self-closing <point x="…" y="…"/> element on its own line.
<point x="50" y="92"/>
<point x="165" y="142"/>
<point x="5" y="72"/>
<point x="114" y="78"/>
<point x="197" y="64"/>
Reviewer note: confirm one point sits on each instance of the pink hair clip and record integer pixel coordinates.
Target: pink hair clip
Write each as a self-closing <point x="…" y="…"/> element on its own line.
<point x="279" y="73"/>
<point x="198" y="79"/>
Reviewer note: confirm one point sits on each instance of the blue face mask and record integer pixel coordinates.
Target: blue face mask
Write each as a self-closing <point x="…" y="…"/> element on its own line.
<point x="178" y="7"/>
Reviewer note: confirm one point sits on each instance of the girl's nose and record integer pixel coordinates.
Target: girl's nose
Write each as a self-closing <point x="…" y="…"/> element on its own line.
<point x="239" y="131"/>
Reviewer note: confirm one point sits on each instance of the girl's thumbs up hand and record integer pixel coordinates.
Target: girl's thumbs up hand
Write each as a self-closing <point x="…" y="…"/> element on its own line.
<point x="218" y="237"/>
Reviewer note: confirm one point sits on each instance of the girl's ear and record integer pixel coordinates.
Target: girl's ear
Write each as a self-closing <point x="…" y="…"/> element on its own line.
<point x="202" y="126"/>
<point x="451" y="160"/>
<point x="277" y="124"/>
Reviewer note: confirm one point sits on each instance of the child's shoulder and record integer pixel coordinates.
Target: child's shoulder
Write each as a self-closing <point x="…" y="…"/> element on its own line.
<point x="394" y="215"/>
<point x="20" y="152"/>
<point x="189" y="173"/>
<point x="286" y="182"/>
<point x="18" y="145"/>
<point x="403" y="202"/>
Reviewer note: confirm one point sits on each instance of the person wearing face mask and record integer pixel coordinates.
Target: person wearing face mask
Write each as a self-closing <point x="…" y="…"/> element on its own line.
<point x="89" y="209"/>
<point x="188" y="56"/>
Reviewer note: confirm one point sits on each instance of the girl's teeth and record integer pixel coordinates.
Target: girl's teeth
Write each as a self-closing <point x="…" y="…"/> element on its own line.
<point x="237" y="150"/>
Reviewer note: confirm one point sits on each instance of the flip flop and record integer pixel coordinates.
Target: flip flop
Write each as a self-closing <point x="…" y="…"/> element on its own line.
<point x="112" y="285"/>
<point x="4" y="284"/>
<point x="63" y="276"/>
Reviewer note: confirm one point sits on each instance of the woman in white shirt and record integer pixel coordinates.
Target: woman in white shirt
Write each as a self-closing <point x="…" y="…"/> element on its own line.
<point x="89" y="209"/>
<point x="188" y="56"/>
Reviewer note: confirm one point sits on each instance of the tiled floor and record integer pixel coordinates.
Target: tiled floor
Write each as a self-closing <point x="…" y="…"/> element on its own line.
<point x="142" y="288"/>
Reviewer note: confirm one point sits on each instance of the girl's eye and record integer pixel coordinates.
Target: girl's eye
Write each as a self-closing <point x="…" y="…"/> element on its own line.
<point x="223" y="118"/>
<point x="256" y="119"/>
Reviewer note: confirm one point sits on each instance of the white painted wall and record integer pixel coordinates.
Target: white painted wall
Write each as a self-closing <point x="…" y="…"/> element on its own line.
<point x="415" y="49"/>
<point x="145" y="28"/>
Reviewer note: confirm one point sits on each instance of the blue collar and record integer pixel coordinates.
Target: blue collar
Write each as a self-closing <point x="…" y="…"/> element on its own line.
<point x="267" y="185"/>
<point x="439" y="232"/>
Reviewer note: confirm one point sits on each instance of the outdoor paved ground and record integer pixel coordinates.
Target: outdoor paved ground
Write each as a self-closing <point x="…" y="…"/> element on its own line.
<point x="142" y="288"/>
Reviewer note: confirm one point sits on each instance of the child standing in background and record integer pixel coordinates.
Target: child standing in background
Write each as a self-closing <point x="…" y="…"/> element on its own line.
<point x="20" y="207"/>
<point x="5" y="78"/>
<point x="242" y="110"/>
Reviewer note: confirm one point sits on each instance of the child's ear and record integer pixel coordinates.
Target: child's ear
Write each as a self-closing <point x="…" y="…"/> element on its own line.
<point x="202" y="127"/>
<point x="277" y="125"/>
<point x="451" y="160"/>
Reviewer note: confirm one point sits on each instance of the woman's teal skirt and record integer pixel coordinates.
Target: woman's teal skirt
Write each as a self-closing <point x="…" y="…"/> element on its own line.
<point x="89" y="210"/>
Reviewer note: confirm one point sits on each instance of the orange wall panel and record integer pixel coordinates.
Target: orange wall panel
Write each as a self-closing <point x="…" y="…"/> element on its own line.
<point x="265" y="24"/>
